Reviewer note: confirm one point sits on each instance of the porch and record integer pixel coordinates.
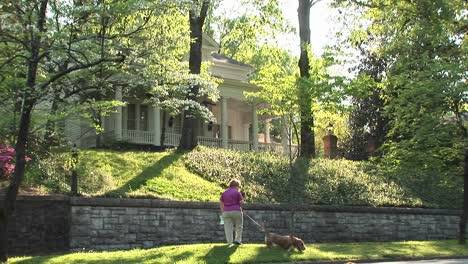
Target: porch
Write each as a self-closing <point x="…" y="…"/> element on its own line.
<point x="173" y="139"/>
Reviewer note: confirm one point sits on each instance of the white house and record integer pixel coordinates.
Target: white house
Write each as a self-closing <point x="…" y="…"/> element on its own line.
<point x="237" y="120"/>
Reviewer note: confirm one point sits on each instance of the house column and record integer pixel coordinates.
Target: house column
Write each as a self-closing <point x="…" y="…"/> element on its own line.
<point x="137" y="116"/>
<point x="246" y="132"/>
<point x="254" y="127"/>
<point x="157" y="126"/>
<point x="284" y="134"/>
<point x="224" y="123"/>
<point x="267" y="131"/>
<point x="118" y="114"/>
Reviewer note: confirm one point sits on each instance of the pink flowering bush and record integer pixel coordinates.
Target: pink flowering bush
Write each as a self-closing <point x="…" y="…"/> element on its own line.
<point x="7" y="160"/>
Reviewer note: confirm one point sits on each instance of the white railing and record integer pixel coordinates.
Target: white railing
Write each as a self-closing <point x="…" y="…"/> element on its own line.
<point x="239" y="145"/>
<point x="171" y="139"/>
<point x="271" y="147"/>
<point x="136" y="136"/>
<point x="210" y="142"/>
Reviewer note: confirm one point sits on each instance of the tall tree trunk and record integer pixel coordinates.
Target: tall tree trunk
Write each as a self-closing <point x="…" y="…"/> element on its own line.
<point x="464" y="216"/>
<point x="163" y="129"/>
<point x="190" y="125"/>
<point x="23" y="132"/>
<point x="307" y="144"/>
<point x="15" y="182"/>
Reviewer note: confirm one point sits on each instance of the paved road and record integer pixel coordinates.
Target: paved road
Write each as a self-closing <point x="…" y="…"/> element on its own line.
<point x="438" y="261"/>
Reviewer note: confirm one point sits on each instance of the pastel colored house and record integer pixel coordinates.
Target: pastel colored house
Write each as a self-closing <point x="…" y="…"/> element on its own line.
<point x="237" y="120"/>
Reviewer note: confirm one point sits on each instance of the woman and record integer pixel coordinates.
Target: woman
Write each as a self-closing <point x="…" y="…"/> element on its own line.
<point x="230" y="204"/>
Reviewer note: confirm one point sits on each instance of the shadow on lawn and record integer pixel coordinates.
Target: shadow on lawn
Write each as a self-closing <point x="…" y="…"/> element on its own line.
<point x="151" y="258"/>
<point x="147" y="174"/>
<point x="219" y="254"/>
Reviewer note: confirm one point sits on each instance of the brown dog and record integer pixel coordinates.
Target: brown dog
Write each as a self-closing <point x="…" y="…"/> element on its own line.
<point x="286" y="242"/>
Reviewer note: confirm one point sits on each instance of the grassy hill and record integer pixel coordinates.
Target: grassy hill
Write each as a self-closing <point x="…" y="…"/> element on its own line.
<point x="200" y="175"/>
<point x="112" y="173"/>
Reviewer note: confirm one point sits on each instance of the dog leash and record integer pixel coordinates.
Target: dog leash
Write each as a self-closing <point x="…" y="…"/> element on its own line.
<point x="255" y="222"/>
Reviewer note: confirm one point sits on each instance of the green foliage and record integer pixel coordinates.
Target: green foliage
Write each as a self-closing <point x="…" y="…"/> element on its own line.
<point x="258" y="253"/>
<point x="351" y="183"/>
<point x="107" y="173"/>
<point x="411" y="94"/>
<point x="263" y="176"/>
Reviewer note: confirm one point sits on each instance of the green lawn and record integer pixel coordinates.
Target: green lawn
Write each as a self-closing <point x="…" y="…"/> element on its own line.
<point x="257" y="253"/>
<point x="142" y="174"/>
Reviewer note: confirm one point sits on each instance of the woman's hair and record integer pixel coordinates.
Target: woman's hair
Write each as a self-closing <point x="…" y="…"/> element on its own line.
<point x="234" y="183"/>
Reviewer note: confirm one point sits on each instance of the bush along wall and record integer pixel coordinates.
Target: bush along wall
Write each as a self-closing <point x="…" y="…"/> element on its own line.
<point x="267" y="177"/>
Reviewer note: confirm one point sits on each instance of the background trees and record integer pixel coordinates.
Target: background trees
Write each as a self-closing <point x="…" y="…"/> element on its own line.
<point x="418" y="50"/>
<point x="44" y="43"/>
<point x="408" y="92"/>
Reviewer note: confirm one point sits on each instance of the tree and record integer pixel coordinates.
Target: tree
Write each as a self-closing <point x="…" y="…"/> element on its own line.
<point x="197" y="16"/>
<point x="424" y="45"/>
<point x="306" y="115"/>
<point x="47" y="41"/>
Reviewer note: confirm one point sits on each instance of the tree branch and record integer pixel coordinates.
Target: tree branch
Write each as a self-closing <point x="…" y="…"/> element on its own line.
<point x="79" y="67"/>
<point x="313" y="2"/>
<point x="11" y="59"/>
<point x="204" y="10"/>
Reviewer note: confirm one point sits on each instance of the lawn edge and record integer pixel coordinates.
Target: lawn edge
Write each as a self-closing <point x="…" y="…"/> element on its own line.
<point x="369" y="260"/>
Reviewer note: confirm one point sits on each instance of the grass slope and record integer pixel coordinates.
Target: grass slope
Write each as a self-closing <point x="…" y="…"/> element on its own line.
<point x="201" y="174"/>
<point x="256" y="253"/>
<point x="142" y="174"/>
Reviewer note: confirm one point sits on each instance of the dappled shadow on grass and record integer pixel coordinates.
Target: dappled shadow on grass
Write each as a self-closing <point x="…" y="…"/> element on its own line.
<point x="219" y="254"/>
<point x="391" y="249"/>
<point x="151" y="258"/>
<point x="298" y="180"/>
<point x="146" y="175"/>
<point x="262" y="254"/>
<point x="258" y="253"/>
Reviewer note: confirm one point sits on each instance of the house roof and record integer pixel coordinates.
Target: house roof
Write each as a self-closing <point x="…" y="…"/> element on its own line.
<point x="226" y="59"/>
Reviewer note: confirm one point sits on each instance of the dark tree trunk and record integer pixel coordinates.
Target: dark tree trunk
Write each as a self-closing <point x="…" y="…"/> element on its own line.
<point x="190" y="129"/>
<point x="163" y="129"/>
<point x="3" y="235"/>
<point x="23" y="132"/>
<point x="17" y="178"/>
<point x="307" y="144"/>
<point x="464" y="216"/>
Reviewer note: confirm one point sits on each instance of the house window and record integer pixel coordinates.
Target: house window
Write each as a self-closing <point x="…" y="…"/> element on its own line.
<point x="131" y="117"/>
<point x="229" y="132"/>
<point x="143" y="117"/>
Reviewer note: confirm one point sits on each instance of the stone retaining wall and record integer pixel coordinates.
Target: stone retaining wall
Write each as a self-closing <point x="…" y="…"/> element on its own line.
<point x="106" y="224"/>
<point x="39" y="225"/>
<point x="43" y="225"/>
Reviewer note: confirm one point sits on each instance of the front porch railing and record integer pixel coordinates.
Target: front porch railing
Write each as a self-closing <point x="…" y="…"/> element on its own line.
<point x="136" y="136"/>
<point x="273" y="147"/>
<point x="210" y="142"/>
<point x="173" y="139"/>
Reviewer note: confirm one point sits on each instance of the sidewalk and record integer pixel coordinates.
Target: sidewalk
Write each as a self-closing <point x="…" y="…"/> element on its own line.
<point x="434" y="261"/>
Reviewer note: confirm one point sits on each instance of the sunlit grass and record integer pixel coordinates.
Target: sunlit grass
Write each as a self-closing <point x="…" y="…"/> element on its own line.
<point x="258" y="253"/>
<point x="144" y="174"/>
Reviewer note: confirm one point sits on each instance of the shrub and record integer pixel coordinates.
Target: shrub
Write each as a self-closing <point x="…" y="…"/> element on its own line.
<point x="266" y="177"/>
<point x="351" y="183"/>
<point x="263" y="175"/>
